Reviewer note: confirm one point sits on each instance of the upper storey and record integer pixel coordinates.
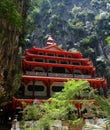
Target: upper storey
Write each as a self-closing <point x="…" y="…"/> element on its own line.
<point x="52" y="49"/>
<point x="53" y="56"/>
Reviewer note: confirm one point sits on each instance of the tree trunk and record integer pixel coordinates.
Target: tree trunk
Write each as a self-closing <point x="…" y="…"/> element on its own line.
<point x="9" y="54"/>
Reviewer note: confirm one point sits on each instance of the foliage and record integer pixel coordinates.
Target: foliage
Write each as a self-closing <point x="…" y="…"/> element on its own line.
<point x="104" y="103"/>
<point x="101" y="65"/>
<point x="45" y="122"/>
<point x="30" y="112"/>
<point x="108" y="40"/>
<point x="75" y="89"/>
<point x="10" y="12"/>
<point x="75" y="10"/>
<point x="105" y="106"/>
<point x="30" y="22"/>
<point x="44" y="114"/>
<point x="60" y="105"/>
<point x="76" y="123"/>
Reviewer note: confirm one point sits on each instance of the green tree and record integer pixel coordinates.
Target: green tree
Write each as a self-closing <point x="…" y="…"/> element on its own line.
<point x="61" y="106"/>
<point x="105" y="107"/>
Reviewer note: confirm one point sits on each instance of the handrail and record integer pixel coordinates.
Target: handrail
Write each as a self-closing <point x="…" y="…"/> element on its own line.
<point x="64" y="75"/>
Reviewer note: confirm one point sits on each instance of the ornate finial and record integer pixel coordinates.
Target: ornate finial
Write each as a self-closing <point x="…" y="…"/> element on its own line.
<point x="50" y="41"/>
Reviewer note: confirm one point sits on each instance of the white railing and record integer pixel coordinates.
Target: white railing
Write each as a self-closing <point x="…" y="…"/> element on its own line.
<point x="36" y="73"/>
<point x="60" y="75"/>
<point x="56" y="75"/>
<point x="82" y="76"/>
<point x="30" y="73"/>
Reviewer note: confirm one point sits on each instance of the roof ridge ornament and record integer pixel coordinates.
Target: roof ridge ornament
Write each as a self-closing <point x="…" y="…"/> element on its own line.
<point x="50" y="41"/>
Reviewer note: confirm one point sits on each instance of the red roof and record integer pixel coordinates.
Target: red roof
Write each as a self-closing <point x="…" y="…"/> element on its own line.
<point x="53" y="46"/>
<point x="34" y="63"/>
<point x="58" y="50"/>
<point x="83" y="60"/>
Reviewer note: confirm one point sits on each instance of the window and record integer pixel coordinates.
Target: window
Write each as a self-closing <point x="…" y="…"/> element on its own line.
<point x="79" y="73"/>
<point x="60" y="55"/>
<point x="28" y="69"/>
<point x="40" y="53"/>
<point x="38" y="70"/>
<point x="30" y="88"/>
<point x="69" y="56"/>
<point x="29" y="59"/>
<point x="63" y="62"/>
<point x="50" y="54"/>
<point x="36" y="88"/>
<point x="39" y="88"/>
<point x="52" y="61"/>
<point x="76" y="63"/>
<point x="58" y="70"/>
<point x="57" y="88"/>
<point x="39" y="60"/>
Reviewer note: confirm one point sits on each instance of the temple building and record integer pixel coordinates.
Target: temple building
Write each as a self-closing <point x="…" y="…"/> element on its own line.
<point x="46" y="69"/>
<point x="44" y="72"/>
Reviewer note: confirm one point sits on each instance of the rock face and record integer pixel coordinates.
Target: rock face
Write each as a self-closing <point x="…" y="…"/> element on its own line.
<point x="72" y="26"/>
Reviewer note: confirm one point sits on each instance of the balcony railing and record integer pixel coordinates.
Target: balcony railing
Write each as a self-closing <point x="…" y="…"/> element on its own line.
<point x="60" y="75"/>
<point x="57" y="75"/>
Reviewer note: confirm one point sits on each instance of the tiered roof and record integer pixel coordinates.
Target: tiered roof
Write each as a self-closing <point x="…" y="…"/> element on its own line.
<point x="54" y="50"/>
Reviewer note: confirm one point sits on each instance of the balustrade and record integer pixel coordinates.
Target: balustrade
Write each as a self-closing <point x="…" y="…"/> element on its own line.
<point x="31" y="73"/>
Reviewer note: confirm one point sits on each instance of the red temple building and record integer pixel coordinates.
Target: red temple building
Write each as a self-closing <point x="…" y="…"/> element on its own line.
<point x="46" y="69"/>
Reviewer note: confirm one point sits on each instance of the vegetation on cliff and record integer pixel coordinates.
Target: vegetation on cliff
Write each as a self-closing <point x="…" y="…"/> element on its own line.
<point x="74" y="25"/>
